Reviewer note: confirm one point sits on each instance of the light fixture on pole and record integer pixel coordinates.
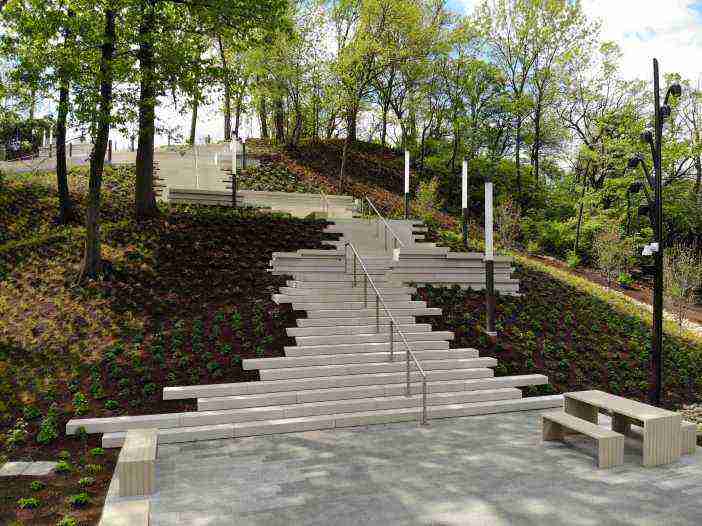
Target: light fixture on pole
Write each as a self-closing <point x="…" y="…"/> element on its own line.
<point x="464" y="201"/>
<point x="407" y="185"/>
<point x="489" y="260"/>
<point x="655" y="207"/>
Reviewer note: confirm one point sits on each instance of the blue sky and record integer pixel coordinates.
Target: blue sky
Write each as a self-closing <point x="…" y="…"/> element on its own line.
<point x="670" y="30"/>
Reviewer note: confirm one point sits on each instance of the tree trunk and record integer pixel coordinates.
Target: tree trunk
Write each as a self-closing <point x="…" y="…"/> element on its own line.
<point x="537" y="142"/>
<point x="66" y="209"/>
<point x="384" y="129"/>
<point x="227" y="93"/>
<point x="193" y="121"/>
<point x="580" y="215"/>
<point x="279" y="121"/>
<point x="331" y="124"/>
<point x="352" y="122"/>
<point x="92" y="260"/>
<point x="145" y="199"/>
<point x="698" y="168"/>
<point x="32" y="104"/>
<point x="239" y="108"/>
<point x="456" y="143"/>
<point x="263" y="117"/>
<point x="344" y="155"/>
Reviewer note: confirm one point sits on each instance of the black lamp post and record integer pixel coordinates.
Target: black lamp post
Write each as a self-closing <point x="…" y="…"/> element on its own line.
<point x="655" y="182"/>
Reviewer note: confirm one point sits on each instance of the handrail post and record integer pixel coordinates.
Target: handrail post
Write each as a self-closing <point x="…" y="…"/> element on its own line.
<point x="346" y="258"/>
<point x="354" y="269"/>
<point x="377" y="313"/>
<point x="392" y="340"/>
<point x="386" y="239"/>
<point x="365" y="291"/>
<point x="407" y="352"/>
<point x="424" y="401"/>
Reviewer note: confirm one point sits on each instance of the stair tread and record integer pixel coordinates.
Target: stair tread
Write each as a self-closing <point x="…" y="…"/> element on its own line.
<point x="306" y="423"/>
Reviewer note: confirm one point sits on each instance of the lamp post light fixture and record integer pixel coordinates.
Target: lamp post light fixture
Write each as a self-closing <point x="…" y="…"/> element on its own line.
<point x="655" y="207"/>
<point x="407" y="184"/>
<point x="464" y="202"/>
<point x="489" y="259"/>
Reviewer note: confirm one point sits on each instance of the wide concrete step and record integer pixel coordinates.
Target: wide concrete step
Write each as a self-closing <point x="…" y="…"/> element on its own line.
<point x="226" y="416"/>
<point x="398" y="399"/>
<point x="348" y="292"/>
<point x="366" y="391"/>
<point x="414" y="328"/>
<point x="353" y="322"/>
<point x="340" y="420"/>
<point x="289" y="373"/>
<point x="370" y="313"/>
<point x="331" y="278"/>
<point x="356" y="305"/>
<point x="373" y="337"/>
<point x="344" y="348"/>
<point x="341" y="359"/>
<point x="329" y="300"/>
<point x="318" y="382"/>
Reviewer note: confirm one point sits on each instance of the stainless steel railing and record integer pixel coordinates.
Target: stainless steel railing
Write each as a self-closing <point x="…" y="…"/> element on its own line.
<point x="324" y="201"/>
<point x="394" y="326"/>
<point x="386" y="226"/>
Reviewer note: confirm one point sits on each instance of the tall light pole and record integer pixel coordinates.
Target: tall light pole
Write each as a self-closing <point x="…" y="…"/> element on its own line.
<point x="655" y="182"/>
<point x="464" y="201"/>
<point x="489" y="259"/>
<point x="407" y="185"/>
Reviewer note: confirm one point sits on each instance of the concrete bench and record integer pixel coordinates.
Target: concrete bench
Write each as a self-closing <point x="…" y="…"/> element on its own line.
<point x="127" y="513"/>
<point x="610" y="444"/>
<point x="136" y="465"/>
<point x="688" y="437"/>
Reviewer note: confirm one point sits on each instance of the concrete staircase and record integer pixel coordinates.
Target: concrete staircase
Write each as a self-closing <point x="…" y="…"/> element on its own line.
<point x="340" y="372"/>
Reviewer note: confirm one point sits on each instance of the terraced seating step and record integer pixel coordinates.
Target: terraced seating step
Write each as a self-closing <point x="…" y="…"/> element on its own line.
<point x="343" y="348"/>
<point x="413" y="328"/>
<point x="308" y="372"/>
<point x="366" y="391"/>
<point x="318" y="382"/>
<point x="290" y="425"/>
<point x="374" y="337"/>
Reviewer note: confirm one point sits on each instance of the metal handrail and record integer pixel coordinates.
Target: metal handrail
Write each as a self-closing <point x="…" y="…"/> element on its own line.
<point x="394" y="326"/>
<point x="396" y="238"/>
<point x="325" y="201"/>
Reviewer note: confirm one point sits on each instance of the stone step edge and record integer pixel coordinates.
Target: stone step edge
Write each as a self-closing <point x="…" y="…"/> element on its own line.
<point x="307" y="332"/>
<point x="279" y="411"/>
<point x="370" y="391"/>
<point x="206" y="391"/>
<point x="252" y="364"/>
<point x="353" y="369"/>
<point x="292" y="425"/>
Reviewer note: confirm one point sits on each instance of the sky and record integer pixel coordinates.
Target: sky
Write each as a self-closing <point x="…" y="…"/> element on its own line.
<point x="670" y="30"/>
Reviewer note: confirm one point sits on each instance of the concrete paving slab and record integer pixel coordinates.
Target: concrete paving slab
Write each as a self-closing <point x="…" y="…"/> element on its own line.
<point x="483" y="470"/>
<point x="39" y="469"/>
<point x="13" y="469"/>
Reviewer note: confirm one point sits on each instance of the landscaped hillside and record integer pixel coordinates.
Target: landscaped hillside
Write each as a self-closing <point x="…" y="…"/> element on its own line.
<point x="371" y="171"/>
<point x="185" y="299"/>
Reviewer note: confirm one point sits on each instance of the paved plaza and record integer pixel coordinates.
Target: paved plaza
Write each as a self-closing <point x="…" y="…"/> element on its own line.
<point x="482" y="470"/>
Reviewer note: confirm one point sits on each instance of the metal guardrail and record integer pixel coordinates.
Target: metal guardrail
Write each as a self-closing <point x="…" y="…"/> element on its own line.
<point x="386" y="226"/>
<point x="324" y="201"/>
<point x="394" y="326"/>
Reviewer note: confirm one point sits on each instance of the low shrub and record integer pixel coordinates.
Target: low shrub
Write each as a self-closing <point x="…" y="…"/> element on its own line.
<point x="29" y="503"/>
<point x="78" y="500"/>
<point x="37" y="485"/>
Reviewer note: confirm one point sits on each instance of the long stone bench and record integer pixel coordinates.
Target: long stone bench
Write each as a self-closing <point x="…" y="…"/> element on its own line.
<point x="610" y="444"/>
<point x="136" y="465"/>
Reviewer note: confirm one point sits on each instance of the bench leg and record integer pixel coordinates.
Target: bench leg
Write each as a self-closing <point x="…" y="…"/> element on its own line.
<point x="662" y="440"/>
<point x="552" y="430"/>
<point x="689" y="440"/>
<point x="610" y="452"/>
<point x="581" y="410"/>
<point x="621" y="424"/>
